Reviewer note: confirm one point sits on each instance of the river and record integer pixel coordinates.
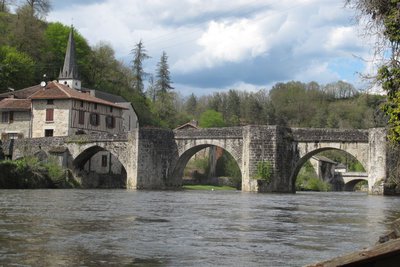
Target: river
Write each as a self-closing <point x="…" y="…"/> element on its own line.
<point x="186" y="228"/>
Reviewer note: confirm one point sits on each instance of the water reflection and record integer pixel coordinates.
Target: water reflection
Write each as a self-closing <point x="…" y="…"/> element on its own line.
<point x="123" y="228"/>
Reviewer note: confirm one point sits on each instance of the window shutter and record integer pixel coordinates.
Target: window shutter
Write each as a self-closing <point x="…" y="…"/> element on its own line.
<point x="50" y="114"/>
<point x="81" y="119"/>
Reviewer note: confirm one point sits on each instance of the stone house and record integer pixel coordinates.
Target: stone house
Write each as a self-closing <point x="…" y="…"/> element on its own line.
<point x="64" y="108"/>
<point x="58" y="110"/>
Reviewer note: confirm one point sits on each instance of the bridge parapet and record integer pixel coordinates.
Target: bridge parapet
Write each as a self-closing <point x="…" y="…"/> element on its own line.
<point x="329" y="135"/>
<point x="210" y="133"/>
<point x="97" y="137"/>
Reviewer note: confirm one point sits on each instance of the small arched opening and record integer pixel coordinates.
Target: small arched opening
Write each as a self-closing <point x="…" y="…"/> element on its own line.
<point x="99" y="168"/>
<point x="356" y="185"/>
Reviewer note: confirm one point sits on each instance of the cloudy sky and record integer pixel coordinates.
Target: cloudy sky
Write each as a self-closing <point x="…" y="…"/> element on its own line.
<point x="223" y="44"/>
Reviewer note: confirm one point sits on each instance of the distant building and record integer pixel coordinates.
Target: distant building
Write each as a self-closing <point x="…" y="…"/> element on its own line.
<point x="189" y="125"/>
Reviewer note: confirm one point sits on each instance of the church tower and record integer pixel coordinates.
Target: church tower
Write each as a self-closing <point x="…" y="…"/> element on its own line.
<point x="69" y="75"/>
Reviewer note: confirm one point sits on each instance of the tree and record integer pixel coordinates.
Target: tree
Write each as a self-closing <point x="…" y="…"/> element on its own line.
<point x="139" y="55"/>
<point x="39" y="8"/>
<point x="28" y="33"/>
<point x="232" y="115"/>
<point x="211" y="118"/>
<point x="340" y="90"/>
<point x="383" y="18"/>
<point x="16" y="68"/>
<point x="191" y="105"/>
<point x="4" y="5"/>
<point x="151" y="89"/>
<point x="163" y="76"/>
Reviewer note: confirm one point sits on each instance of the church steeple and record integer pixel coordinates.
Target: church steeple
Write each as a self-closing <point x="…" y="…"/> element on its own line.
<point x="69" y="74"/>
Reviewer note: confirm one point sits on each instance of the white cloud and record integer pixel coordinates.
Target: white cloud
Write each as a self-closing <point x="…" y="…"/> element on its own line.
<point x="226" y="42"/>
<point x="342" y="38"/>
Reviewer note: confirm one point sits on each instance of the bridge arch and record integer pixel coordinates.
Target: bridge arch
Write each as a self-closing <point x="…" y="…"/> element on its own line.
<point x="349" y="186"/>
<point x="308" y="150"/>
<point x="187" y="150"/>
<point x="108" y="170"/>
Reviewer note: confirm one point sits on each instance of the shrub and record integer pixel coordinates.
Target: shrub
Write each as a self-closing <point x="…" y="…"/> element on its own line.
<point x="264" y="170"/>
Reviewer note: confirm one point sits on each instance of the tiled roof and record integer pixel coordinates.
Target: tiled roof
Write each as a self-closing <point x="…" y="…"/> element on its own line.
<point x="188" y="125"/>
<point x="15" y="104"/>
<point x="54" y="90"/>
<point x="106" y="96"/>
<point x="23" y="93"/>
<point x="325" y="159"/>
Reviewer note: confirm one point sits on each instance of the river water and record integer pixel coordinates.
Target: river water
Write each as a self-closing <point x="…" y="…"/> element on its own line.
<point x="186" y="228"/>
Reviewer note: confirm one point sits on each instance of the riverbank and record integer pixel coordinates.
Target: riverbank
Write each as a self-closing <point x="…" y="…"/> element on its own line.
<point x="30" y="173"/>
<point x="208" y="187"/>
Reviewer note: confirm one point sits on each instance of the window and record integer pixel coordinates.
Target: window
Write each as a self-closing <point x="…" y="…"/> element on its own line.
<point x="7" y="117"/>
<point x="111" y="109"/>
<point x="50" y="102"/>
<point x="104" y="161"/>
<point x="12" y="135"/>
<point x="48" y="132"/>
<point x="110" y="122"/>
<point x="94" y="119"/>
<point x="95" y="105"/>
<point x="81" y="117"/>
<point x="4" y="117"/>
<point x="49" y="115"/>
<point x="81" y="104"/>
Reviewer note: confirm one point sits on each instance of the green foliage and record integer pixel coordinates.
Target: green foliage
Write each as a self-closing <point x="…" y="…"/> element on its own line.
<point x="202" y="164"/>
<point x="54" y="171"/>
<point x="228" y="167"/>
<point x="23" y="173"/>
<point x="351" y="163"/>
<point x="264" y="171"/>
<point x="139" y="55"/>
<point x="163" y="75"/>
<point x="29" y="172"/>
<point x="211" y="118"/>
<point x="316" y="184"/>
<point x="360" y="185"/>
<point x="16" y="68"/>
<point x="308" y="181"/>
<point x="383" y="16"/>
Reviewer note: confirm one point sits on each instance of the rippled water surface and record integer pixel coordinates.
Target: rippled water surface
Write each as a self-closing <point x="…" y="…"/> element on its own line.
<point x="188" y="228"/>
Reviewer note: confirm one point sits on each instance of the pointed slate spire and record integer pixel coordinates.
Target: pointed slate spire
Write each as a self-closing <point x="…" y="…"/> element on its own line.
<point x="69" y="73"/>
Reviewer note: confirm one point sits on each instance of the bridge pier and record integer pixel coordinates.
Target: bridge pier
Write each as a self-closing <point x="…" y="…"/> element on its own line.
<point x="377" y="157"/>
<point x="270" y="144"/>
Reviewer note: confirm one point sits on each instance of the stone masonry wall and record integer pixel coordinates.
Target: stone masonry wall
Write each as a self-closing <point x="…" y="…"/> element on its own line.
<point x="259" y="144"/>
<point x="20" y="125"/>
<point x="157" y="155"/>
<point x="322" y="134"/>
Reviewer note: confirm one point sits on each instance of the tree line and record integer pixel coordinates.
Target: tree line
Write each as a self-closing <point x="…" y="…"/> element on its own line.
<point x="31" y="47"/>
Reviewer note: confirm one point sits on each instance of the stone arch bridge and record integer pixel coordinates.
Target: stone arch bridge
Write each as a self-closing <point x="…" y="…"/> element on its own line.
<point x="155" y="158"/>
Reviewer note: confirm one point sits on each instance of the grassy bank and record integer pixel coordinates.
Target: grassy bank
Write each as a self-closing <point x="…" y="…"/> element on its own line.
<point x="207" y="187"/>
